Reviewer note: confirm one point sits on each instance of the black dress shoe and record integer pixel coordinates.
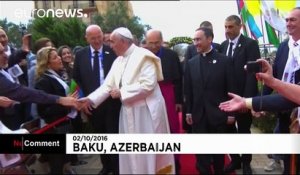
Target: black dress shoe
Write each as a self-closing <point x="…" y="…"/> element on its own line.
<point x="70" y="172"/>
<point x="247" y="169"/>
<point x="103" y="171"/>
<point x="107" y="172"/>
<point x="231" y="167"/>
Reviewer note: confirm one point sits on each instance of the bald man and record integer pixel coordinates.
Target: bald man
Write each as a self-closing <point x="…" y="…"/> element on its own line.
<point x="91" y="66"/>
<point x="171" y="86"/>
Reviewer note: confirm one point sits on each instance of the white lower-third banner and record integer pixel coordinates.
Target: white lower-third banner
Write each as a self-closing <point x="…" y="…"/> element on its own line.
<point x="183" y="143"/>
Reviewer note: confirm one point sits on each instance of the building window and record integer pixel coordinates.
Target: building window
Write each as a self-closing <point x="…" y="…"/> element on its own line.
<point x="75" y="4"/>
<point x="46" y="4"/>
<point x="92" y="3"/>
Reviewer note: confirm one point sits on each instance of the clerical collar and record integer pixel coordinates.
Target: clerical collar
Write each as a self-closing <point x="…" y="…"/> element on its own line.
<point x="206" y="53"/>
<point x="129" y="50"/>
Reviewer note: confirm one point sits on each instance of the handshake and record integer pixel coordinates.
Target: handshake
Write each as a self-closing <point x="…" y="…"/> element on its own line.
<point x="84" y="104"/>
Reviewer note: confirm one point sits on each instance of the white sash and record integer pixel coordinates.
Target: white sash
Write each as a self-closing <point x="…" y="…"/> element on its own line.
<point x="54" y="75"/>
<point x="292" y="64"/>
<point x="7" y="75"/>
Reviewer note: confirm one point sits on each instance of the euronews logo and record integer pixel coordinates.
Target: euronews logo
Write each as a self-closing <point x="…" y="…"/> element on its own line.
<point x="58" y="13"/>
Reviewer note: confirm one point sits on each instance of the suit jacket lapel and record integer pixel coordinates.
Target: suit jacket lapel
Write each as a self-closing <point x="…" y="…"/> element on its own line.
<point x="225" y="47"/>
<point x="88" y="61"/>
<point x="238" y="46"/>
<point x="105" y="54"/>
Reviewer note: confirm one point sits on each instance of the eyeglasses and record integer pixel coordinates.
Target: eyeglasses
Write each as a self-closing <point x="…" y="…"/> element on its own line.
<point x="196" y="39"/>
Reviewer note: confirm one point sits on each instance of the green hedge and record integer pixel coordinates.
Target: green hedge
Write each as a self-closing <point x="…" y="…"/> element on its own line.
<point x="266" y="123"/>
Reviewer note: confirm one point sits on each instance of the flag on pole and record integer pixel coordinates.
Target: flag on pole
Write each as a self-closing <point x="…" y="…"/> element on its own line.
<point x="272" y="37"/>
<point x="245" y="32"/>
<point x="75" y="88"/>
<point x="272" y="16"/>
<point x="247" y="17"/>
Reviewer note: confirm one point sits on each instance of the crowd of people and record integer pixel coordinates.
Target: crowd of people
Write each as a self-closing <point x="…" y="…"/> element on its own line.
<point x="126" y="87"/>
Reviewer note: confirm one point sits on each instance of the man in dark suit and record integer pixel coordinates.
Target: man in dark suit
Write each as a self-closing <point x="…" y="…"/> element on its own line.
<point x="21" y="93"/>
<point x="91" y="65"/>
<point x="19" y="113"/>
<point x="190" y="52"/>
<point x="241" y="49"/>
<point x="207" y="79"/>
<point x="280" y="67"/>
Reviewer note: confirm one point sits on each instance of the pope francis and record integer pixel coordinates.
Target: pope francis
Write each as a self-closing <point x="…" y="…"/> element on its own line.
<point x="133" y="78"/>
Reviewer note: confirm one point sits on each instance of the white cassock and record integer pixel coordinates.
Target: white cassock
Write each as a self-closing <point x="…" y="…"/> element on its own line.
<point x="143" y="107"/>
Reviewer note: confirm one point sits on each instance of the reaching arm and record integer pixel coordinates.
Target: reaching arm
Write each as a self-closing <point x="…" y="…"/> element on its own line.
<point x="288" y="90"/>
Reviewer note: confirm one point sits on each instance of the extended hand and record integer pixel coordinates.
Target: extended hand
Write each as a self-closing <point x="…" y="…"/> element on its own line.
<point x="26" y="42"/>
<point x="68" y="101"/>
<point x="86" y="105"/>
<point x="6" y="102"/>
<point x="237" y="103"/>
<point x="189" y="119"/>
<point x="115" y="93"/>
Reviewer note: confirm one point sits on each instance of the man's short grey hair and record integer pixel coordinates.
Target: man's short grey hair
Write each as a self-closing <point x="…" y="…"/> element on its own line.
<point x="235" y="18"/>
<point x="92" y="26"/>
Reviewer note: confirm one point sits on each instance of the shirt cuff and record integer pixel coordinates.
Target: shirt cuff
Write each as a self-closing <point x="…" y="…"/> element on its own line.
<point x="248" y="102"/>
<point x="188" y="115"/>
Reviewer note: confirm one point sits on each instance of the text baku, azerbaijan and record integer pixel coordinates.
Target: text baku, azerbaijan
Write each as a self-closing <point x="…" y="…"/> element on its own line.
<point x="145" y="147"/>
<point x="127" y="147"/>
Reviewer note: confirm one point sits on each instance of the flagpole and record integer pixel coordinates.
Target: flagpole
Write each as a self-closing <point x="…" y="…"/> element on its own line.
<point x="279" y="33"/>
<point x="263" y="32"/>
<point x="262" y="28"/>
<point x="243" y="22"/>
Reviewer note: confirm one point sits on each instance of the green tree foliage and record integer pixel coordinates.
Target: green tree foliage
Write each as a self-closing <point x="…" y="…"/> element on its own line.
<point x="183" y="39"/>
<point x="69" y="31"/>
<point x="13" y="32"/>
<point x="117" y="16"/>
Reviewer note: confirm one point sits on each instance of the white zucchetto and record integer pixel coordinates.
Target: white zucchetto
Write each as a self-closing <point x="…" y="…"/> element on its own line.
<point x="124" y="32"/>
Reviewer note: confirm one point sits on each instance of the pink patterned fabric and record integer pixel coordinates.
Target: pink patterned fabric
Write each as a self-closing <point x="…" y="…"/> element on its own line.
<point x="167" y="89"/>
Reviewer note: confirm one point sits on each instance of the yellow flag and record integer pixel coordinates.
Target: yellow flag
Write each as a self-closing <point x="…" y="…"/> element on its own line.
<point x="285" y="5"/>
<point x="253" y="7"/>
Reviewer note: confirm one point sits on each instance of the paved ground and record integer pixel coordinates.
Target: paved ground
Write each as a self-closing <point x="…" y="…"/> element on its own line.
<point x="94" y="164"/>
